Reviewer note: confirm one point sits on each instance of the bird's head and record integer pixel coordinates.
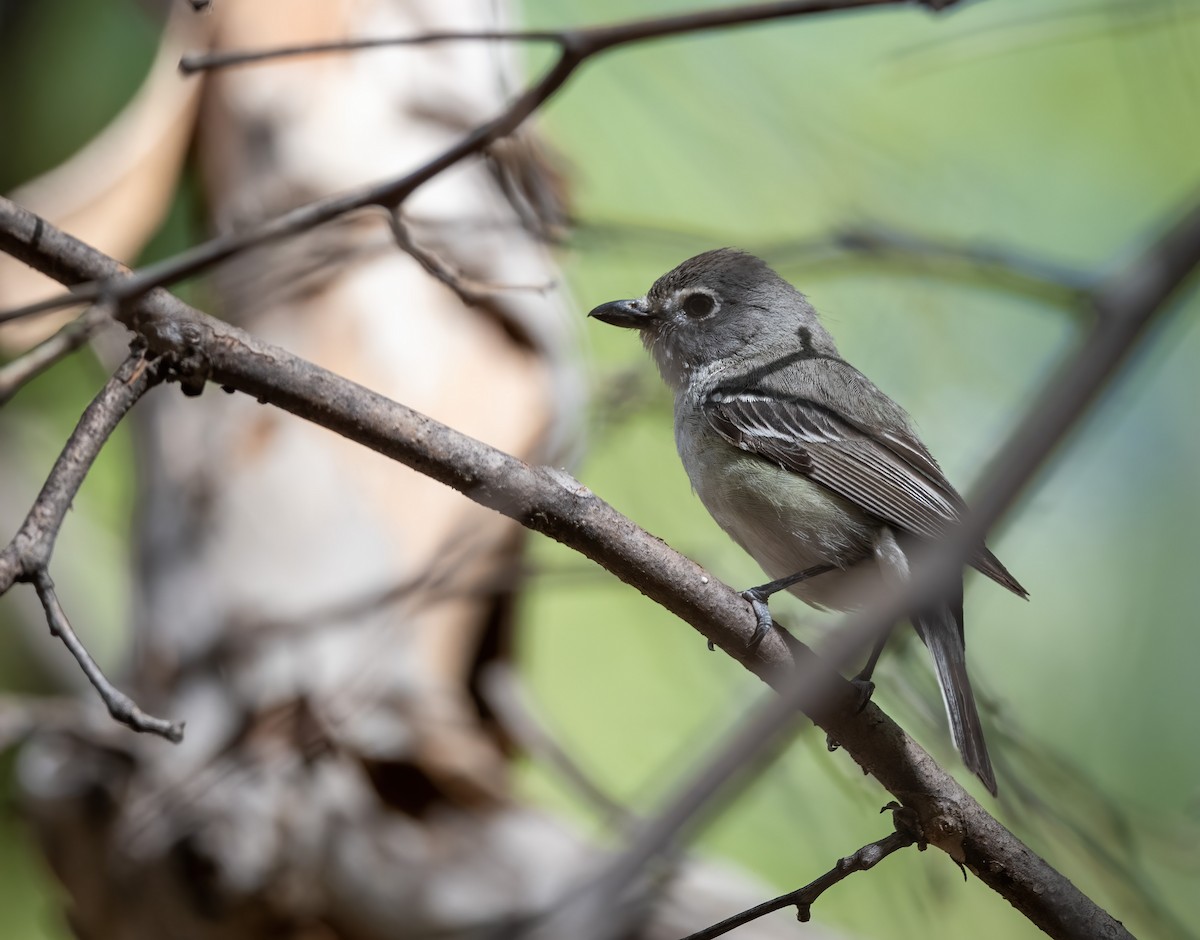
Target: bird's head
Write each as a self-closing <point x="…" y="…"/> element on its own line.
<point x="720" y="305"/>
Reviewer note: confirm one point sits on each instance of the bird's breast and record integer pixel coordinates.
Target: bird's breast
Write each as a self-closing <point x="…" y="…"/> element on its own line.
<point x="785" y="521"/>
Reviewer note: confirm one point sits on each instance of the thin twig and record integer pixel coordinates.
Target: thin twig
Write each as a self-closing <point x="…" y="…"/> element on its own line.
<point x="89" y="293"/>
<point x="212" y="61"/>
<point x="32" y="363"/>
<point x="30" y="549"/>
<point x="577" y="46"/>
<point x="505" y="694"/>
<point x="979" y="263"/>
<point x="119" y="705"/>
<point x="471" y="292"/>
<point x="803" y="899"/>
<point x="991" y="264"/>
<point x="614" y="34"/>
<point x="27" y="557"/>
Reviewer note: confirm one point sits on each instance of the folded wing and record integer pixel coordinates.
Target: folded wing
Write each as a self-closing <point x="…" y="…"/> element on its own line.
<point x="891" y="476"/>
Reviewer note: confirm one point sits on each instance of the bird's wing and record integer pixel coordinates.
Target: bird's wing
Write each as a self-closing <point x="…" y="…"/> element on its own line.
<point x="806" y="438"/>
<point x="891" y="476"/>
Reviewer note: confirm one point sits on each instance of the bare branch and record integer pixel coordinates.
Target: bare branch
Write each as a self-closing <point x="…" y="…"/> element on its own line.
<point x="803" y="899"/>
<point x="29" y="365"/>
<point x="577" y="46"/>
<point x="119" y="705"/>
<point x="30" y="550"/>
<point x="203" y="349"/>
<point x="469" y="291"/>
<point x="504" y="692"/>
<point x="989" y="264"/>
<point x="985" y="264"/>
<point x="557" y="505"/>
<point x="27" y="556"/>
<point x="212" y="61"/>
<point x="601" y="38"/>
<point x="58" y="302"/>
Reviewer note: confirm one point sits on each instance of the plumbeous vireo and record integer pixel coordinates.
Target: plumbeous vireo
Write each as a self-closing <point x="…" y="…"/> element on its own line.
<point x="800" y="458"/>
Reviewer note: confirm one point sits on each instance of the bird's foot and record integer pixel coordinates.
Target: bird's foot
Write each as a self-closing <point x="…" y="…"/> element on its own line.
<point x="865" y="688"/>
<point x="762" y="616"/>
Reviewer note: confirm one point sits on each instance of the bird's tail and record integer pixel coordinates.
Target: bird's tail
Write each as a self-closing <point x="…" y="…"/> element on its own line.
<point x="941" y="629"/>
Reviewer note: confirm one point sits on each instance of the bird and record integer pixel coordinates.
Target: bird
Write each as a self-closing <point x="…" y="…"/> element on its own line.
<point x="809" y="467"/>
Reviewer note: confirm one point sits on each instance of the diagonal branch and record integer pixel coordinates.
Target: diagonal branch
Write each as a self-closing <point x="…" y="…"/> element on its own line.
<point x="914" y="254"/>
<point x="33" y="362"/>
<point x="470" y="291"/>
<point x="576" y="47"/>
<point x="504" y="693"/>
<point x="27" y="557"/>
<point x="119" y="705"/>
<point x="855" y="245"/>
<point x="803" y="899"/>
<point x="29" y="551"/>
<point x="594" y="38"/>
<point x="554" y="503"/>
<point x="213" y="61"/>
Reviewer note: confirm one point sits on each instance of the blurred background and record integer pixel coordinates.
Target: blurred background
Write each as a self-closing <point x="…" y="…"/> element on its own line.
<point x="1063" y="135"/>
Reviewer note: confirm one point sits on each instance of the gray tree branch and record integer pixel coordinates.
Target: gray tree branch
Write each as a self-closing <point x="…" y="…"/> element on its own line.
<point x="802" y="899"/>
<point x="554" y="503"/>
<point x="576" y="47"/>
<point x="27" y="557"/>
<point x="873" y="246"/>
<point x="200" y="349"/>
<point x="15" y="374"/>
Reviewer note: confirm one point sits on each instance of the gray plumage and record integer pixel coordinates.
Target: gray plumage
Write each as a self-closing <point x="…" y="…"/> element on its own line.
<point x="798" y="456"/>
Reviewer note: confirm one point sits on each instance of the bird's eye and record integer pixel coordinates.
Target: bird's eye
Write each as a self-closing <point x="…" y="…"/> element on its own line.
<point x="698" y="304"/>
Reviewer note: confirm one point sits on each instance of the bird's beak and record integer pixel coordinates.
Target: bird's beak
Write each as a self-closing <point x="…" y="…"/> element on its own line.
<point x="632" y="314"/>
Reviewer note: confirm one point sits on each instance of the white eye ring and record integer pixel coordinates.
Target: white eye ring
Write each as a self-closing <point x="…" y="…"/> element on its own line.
<point x="699" y="304"/>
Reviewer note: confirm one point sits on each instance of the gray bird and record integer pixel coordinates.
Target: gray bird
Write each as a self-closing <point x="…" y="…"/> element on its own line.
<point x="800" y="458"/>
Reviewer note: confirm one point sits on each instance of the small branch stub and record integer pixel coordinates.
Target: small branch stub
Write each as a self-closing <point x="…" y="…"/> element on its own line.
<point x="803" y="899"/>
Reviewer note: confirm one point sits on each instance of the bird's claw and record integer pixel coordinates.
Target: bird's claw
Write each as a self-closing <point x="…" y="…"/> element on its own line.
<point x="865" y="688"/>
<point x="762" y="616"/>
